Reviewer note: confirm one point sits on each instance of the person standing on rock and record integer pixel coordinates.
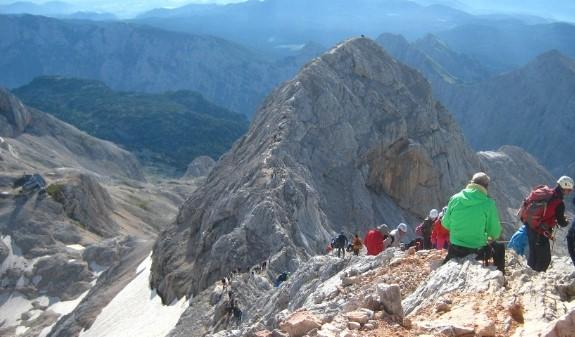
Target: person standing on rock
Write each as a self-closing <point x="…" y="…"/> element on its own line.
<point x="472" y="220"/>
<point x="427" y="228"/>
<point x="396" y="235"/>
<point x="356" y="245"/>
<point x="341" y="243"/>
<point x="542" y="210"/>
<point x="440" y="235"/>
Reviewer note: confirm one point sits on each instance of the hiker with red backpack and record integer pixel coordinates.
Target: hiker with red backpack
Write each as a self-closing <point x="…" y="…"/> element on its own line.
<point x="473" y="223"/>
<point x="541" y="211"/>
<point x="374" y="239"/>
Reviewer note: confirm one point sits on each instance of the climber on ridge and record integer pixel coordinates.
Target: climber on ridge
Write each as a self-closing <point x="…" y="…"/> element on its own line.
<point x="340" y="243"/>
<point x="394" y="238"/>
<point x="356" y="244"/>
<point x="472" y="220"/>
<point x="374" y="239"/>
<point x="541" y="211"/>
<point x="440" y="235"/>
<point x="427" y="227"/>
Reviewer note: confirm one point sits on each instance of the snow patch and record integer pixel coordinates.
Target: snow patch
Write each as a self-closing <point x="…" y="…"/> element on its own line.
<point x="76" y="247"/>
<point x="12" y="306"/>
<point x="491" y="154"/>
<point x="137" y="311"/>
<point x="66" y="307"/>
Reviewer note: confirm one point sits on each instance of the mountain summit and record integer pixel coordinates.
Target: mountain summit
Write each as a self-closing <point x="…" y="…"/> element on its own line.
<point x="354" y="140"/>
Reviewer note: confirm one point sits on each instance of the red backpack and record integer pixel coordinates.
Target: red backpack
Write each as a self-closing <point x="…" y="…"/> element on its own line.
<point x="534" y="207"/>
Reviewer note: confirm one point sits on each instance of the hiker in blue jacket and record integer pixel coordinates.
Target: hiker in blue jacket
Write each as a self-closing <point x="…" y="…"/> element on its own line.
<point x="518" y="241"/>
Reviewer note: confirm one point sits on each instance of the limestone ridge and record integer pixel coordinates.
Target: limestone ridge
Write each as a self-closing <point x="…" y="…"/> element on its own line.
<point x="354" y="140"/>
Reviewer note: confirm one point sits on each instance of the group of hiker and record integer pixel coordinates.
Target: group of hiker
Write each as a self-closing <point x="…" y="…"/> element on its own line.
<point x="470" y="224"/>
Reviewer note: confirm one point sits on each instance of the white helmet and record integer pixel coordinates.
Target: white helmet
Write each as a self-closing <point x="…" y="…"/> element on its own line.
<point x="402" y="227"/>
<point x="433" y="214"/>
<point x="565" y="182"/>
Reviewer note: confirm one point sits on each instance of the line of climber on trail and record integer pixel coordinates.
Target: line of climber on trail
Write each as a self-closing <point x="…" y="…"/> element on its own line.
<point x="470" y="224"/>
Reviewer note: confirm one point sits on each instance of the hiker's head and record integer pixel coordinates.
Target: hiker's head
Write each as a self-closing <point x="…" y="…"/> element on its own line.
<point x="566" y="184"/>
<point x="433" y="214"/>
<point x="383" y="229"/>
<point x="402" y="227"/>
<point x="480" y="178"/>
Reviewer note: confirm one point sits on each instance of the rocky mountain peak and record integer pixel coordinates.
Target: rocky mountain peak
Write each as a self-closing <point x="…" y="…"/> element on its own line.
<point x="354" y="140"/>
<point x="15" y="117"/>
<point x="553" y="59"/>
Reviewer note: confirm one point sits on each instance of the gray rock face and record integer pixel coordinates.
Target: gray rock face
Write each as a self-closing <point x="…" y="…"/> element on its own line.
<point x="354" y="140"/>
<point x="200" y="167"/>
<point x="85" y="201"/>
<point x="14" y="115"/>
<point x="537" y="99"/>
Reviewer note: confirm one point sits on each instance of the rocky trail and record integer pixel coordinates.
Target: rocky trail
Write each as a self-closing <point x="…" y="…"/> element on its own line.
<point x="394" y="294"/>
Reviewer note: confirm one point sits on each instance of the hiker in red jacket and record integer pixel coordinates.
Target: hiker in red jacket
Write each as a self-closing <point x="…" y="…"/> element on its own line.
<point x="374" y="239"/>
<point x="540" y="226"/>
<point x="440" y="235"/>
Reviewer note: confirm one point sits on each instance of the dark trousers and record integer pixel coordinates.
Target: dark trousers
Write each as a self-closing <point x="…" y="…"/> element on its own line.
<point x="493" y="250"/>
<point x="539" y="250"/>
<point x="427" y="242"/>
<point x="571" y="241"/>
<point x="341" y="252"/>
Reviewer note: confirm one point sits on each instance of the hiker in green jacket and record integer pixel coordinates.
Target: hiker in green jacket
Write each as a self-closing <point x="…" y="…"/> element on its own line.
<point x="472" y="221"/>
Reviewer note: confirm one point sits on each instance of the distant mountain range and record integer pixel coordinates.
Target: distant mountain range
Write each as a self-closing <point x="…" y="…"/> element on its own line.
<point x="134" y="57"/>
<point x="532" y="107"/>
<point x="164" y="130"/>
<point x="506" y="45"/>
<point x="269" y="23"/>
<point x="57" y="9"/>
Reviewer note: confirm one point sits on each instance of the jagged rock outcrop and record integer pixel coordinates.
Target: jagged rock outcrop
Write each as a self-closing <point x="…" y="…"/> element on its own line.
<point x="42" y="141"/>
<point x="354" y="140"/>
<point x="87" y="202"/>
<point x="537" y="98"/>
<point x="200" y="167"/>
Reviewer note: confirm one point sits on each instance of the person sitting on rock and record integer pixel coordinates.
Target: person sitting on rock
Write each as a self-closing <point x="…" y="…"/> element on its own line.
<point x="440" y="235"/>
<point x="356" y="244"/>
<point x="472" y="220"/>
<point x="395" y="237"/>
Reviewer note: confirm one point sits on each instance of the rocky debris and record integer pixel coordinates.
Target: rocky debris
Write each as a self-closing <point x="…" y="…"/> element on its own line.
<point x="61" y="278"/>
<point x="200" y="167"/>
<point x="87" y="202"/>
<point x="327" y="151"/>
<point x="300" y="323"/>
<point x="107" y="253"/>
